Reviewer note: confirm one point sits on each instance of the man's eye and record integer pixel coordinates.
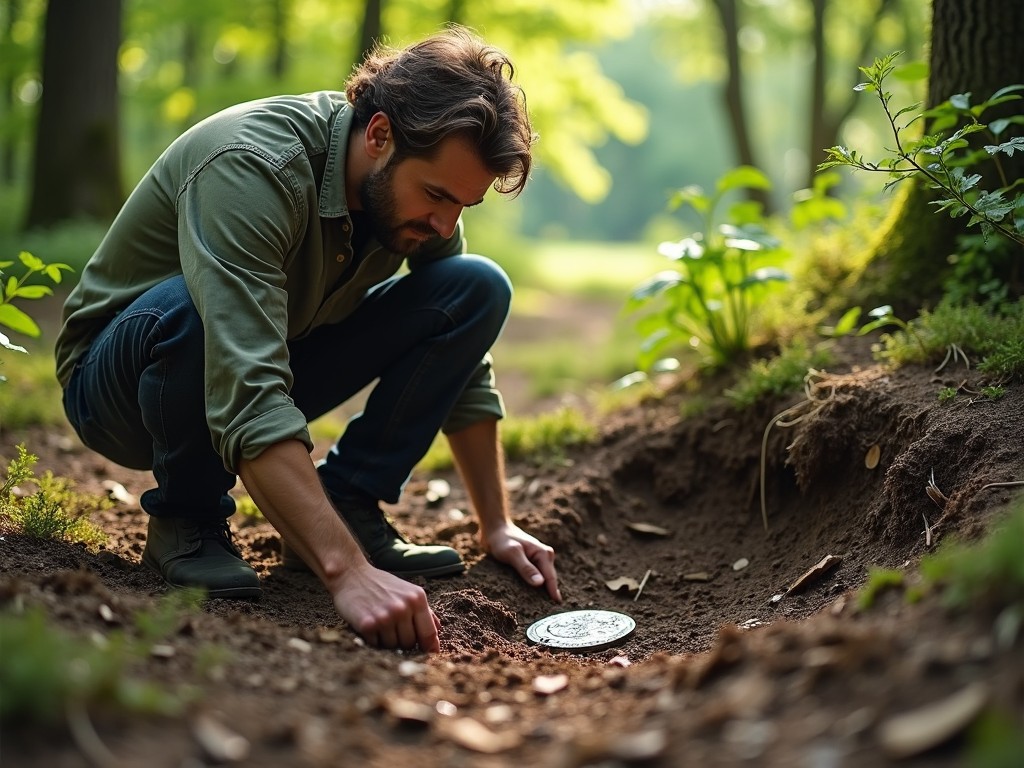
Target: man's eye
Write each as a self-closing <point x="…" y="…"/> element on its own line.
<point x="434" y="196"/>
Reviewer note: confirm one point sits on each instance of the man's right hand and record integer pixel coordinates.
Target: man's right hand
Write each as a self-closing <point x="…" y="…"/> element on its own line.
<point x="388" y="612"/>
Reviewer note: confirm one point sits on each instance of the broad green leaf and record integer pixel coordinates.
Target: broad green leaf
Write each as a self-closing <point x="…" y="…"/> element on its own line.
<point x="845" y="325"/>
<point x="764" y="275"/>
<point x="6" y="264"/>
<point x="687" y="248"/>
<point x="743" y="177"/>
<point x="32" y="262"/>
<point x="961" y="101"/>
<point x="11" y="288"/>
<point x="657" y="285"/>
<point x="693" y="196"/>
<point x="1007" y="89"/>
<point x="55" y="271"/>
<point x="629" y="380"/>
<point x="748" y="238"/>
<point x="32" y="292"/>
<point x="18" y="321"/>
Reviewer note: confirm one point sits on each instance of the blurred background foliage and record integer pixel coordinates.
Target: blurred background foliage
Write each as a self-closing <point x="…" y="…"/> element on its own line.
<point x="628" y="96"/>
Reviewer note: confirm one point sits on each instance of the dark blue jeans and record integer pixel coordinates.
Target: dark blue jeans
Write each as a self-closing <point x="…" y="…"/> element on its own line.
<point x="137" y="396"/>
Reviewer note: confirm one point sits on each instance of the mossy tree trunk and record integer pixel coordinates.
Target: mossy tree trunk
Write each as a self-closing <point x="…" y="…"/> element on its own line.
<point x="76" y="169"/>
<point x="975" y="48"/>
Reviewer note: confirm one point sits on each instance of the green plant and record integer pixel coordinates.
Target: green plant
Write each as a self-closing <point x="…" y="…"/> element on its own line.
<point x="993" y="393"/>
<point x="989" y="572"/>
<point x="879" y="580"/>
<point x="947" y="394"/>
<point x="943" y="156"/>
<point x="706" y="302"/>
<point x="18" y="288"/>
<point x="55" y="510"/>
<point x="884" y="316"/>
<point x="778" y="375"/>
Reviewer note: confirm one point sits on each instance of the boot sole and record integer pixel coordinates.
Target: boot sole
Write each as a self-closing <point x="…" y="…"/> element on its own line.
<point x="224" y="593"/>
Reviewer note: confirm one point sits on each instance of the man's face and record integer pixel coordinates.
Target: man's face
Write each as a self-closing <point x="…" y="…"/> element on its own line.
<point x="410" y="201"/>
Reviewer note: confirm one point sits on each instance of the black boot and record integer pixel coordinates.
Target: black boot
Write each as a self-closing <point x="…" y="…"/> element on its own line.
<point x="385" y="547"/>
<point x="191" y="553"/>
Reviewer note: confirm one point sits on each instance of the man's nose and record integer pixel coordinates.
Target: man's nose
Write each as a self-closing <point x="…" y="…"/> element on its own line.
<point x="444" y="222"/>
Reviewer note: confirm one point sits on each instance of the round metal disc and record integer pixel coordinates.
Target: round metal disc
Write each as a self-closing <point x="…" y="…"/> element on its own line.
<point x="587" y="630"/>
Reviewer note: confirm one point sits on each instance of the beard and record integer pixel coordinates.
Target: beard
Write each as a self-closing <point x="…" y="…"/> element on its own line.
<point x="377" y="195"/>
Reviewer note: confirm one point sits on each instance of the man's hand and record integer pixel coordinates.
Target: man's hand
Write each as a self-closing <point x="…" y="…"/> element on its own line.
<point x="532" y="559"/>
<point x="387" y="611"/>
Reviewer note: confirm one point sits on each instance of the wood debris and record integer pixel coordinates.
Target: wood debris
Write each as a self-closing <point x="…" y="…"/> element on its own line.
<point x="740" y="564"/>
<point x="815" y="573"/>
<point x="475" y="736"/>
<point x="546" y="685"/>
<point x="697" y="576"/>
<point x="220" y="743"/>
<point x="921" y="729"/>
<point x="648" y="529"/>
<point x="623" y="582"/>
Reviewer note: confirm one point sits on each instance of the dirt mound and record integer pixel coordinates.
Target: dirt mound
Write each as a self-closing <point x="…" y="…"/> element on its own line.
<point x="728" y="665"/>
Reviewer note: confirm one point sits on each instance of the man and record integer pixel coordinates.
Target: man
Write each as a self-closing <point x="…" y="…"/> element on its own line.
<point x="248" y="286"/>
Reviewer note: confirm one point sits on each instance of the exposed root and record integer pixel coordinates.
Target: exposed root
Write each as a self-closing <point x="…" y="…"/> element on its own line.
<point x="85" y="737"/>
<point x="952" y="353"/>
<point x="813" y="383"/>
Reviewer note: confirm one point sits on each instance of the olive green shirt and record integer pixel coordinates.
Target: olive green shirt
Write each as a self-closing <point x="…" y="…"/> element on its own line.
<point x="249" y="205"/>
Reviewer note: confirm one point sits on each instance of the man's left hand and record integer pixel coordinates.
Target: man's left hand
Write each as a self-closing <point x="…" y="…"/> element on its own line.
<point x="532" y="559"/>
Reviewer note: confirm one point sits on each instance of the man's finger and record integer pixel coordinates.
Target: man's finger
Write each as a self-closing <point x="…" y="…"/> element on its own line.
<point x="427" y="628"/>
<point x="546" y="564"/>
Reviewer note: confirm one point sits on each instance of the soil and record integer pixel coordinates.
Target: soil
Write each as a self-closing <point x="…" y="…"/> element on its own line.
<point x="720" y="671"/>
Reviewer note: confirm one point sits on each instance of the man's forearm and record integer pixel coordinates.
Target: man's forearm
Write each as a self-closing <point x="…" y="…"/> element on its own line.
<point x="481" y="464"/>
<point x="284" y="484"/>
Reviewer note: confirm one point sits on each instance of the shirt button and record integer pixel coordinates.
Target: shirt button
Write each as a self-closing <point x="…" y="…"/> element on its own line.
<point x="344" y="227"/>
<point x="341" y="258"/>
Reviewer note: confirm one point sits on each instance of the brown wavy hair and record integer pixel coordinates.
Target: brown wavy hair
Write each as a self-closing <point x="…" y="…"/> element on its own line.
<point x="450" y="84"/>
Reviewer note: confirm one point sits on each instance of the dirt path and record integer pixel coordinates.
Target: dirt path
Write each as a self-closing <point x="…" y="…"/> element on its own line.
<point x="716" y="673"/>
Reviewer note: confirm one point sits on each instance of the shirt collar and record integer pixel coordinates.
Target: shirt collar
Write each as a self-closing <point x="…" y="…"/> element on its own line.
<point x="332" y="192"/>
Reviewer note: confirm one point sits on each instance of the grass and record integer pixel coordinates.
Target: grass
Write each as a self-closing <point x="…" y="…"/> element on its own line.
<point x="780" y="374"/>
<point x="48" y="674"/>
<point x="30" y="395"/>
<point x="543" y="438"/>
<point x="54" y="511"/>
<point x="993" y="337"/>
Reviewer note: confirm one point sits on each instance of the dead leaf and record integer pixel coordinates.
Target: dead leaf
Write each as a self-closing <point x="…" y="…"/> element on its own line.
<point x="408" y="711"/>
<point x="640" y="747"/>
<point x="220" y="743"/>
<point x="647" y="529"/>
<point x="921" y="729"/>
<point x="329" y="636"/>
<point x="117" y="492"/>
<point x="437" y="489"/>
<point x="549" y="684"/>
<point x="470" y="734"/>
<point x="816" y="572"/>
<point x="623" y="582"/>
<point x="872" y="456"/>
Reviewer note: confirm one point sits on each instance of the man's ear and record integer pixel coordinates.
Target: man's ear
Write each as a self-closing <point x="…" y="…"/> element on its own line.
<point x="377" y="135"/>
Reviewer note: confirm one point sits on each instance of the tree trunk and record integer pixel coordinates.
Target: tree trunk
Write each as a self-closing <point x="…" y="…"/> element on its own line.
<point x="9" y="140"/>
<point x="279" y="61"/>
<point x="733" y="96"/>
<point x="456" y="12"/>
<point x="76" y="167"/>
<point x="372" y="29"/>
<point x="975" y="48"/>
<point x="825" y="122"/>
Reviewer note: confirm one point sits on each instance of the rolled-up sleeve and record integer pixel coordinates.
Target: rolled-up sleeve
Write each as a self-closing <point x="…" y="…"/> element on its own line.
<point x="232" y="256"/>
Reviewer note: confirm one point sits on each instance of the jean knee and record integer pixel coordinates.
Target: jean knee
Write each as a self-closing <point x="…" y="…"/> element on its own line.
<point x="487" y="282"/>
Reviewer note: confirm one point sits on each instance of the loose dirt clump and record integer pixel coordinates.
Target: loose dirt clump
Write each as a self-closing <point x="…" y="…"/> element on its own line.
<point x="727" y="666"/>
